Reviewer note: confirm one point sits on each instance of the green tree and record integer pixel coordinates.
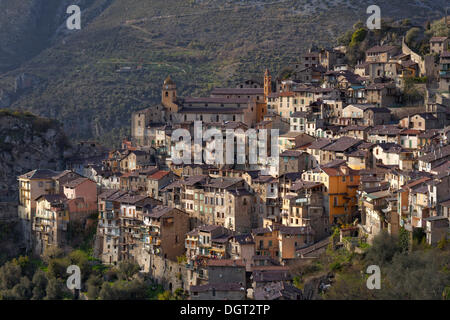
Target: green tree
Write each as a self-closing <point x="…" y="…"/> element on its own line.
<point x="358" y="37"/>
<point x="346" y="38"/>
<point x="94" y="285"/>
<point x="124" y="290"/>
<point x="10" y="274"/>
<point x="166" y="295"/>
<point x="383" y="249"/>
<point x="56" y="289"/>
<point x="412" y="37"/>
<point x="52" y="253"/>
<point x="127" y="269"/>
<point x="439" y="29"/>
<point x="26" y="265"/>
<point x="403" y="239"/>
<point x="349" y="286"/>
<point x="40" y="284"/>
<point x="180" y="294"/>
<point x="57" y="268"/>
<point x="23" y="290"/>
<point x="81" y="259"/>
<point x="358" y="25"/>
<point x="419" y="275"/>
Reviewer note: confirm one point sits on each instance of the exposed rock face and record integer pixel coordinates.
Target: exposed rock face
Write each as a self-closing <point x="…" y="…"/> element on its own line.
<point x="27" y="143"/>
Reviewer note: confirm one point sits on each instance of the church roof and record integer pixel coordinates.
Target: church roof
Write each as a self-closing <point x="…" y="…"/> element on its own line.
<point x="168" y="81"/>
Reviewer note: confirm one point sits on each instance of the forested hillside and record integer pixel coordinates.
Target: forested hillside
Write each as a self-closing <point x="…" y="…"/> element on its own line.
<point x="71" y="75"/>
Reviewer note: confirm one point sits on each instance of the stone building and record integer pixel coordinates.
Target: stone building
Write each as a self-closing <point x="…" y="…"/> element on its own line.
<point x="164" y="231"/>
<point x="436" y="229"/>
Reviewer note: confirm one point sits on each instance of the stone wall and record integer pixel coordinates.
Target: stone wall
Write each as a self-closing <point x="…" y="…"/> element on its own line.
<point x="170" y="274"/>
<point x="426" y="65"/>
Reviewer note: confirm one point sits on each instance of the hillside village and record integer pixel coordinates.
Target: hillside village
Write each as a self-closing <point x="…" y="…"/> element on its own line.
<point x="350" y="159"/>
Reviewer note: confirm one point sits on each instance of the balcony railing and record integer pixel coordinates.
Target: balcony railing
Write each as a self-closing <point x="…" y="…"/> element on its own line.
<point x="190" y="266"/>
<point x="111" y="216"/>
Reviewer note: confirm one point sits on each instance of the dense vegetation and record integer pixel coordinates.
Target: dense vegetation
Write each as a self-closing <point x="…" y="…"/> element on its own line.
<point x="26" y="278"/>
<point x="359" y="39"/>
<point x="32" y="278"/>
<point x="202" y="44"/>
<point x="38" y="124"/>
<point x="407" y="273"/>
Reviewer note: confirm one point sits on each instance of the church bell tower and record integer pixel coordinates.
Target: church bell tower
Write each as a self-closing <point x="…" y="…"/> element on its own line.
<point x="169" y="95"/>
<point x="267" y="85"/>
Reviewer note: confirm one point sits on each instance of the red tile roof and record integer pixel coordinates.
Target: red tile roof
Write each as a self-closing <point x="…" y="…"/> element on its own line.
<point x="225" y="263"/>
<point x="159" y="175"/>
<point x="286" y="94"/>
<point x="410" y="132"/>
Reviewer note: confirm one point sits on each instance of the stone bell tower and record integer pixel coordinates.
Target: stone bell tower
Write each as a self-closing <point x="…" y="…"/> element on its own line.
<point x="267" y="85"/>
<point x="169" y="95"/>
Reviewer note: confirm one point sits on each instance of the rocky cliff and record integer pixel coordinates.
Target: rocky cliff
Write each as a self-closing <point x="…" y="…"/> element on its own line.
<point x="27" y="142"/>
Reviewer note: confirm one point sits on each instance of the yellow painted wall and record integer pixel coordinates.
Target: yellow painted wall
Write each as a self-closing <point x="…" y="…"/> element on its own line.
<point x="335" y="185"/>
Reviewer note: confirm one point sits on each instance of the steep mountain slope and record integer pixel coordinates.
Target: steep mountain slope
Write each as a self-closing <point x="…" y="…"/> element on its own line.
<point x="201" y="43"/>
<point x="27" y="142"/>
<point x="29" y="26"/>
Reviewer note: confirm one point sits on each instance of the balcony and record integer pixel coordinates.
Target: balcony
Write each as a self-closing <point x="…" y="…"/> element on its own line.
<point x="111" y="216"/>
<point x="374" y="207"/>
<point x="189" y="266"/>
<point x="112" y="232"/>
<point x="444" y="73"/>
<point x="187" y="197"/>
<point x="150" y="233"/>
<point x="204" y="245"/>
<point x="136" y="235"/>
<point x="273" y="202"/>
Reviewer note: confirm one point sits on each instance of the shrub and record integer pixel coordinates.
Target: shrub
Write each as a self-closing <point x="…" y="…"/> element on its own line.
<point x="123" y="290"/>
<point x="358" y="37"/>
<point x="127" y="269"/>
<point x="335" y="266"/>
